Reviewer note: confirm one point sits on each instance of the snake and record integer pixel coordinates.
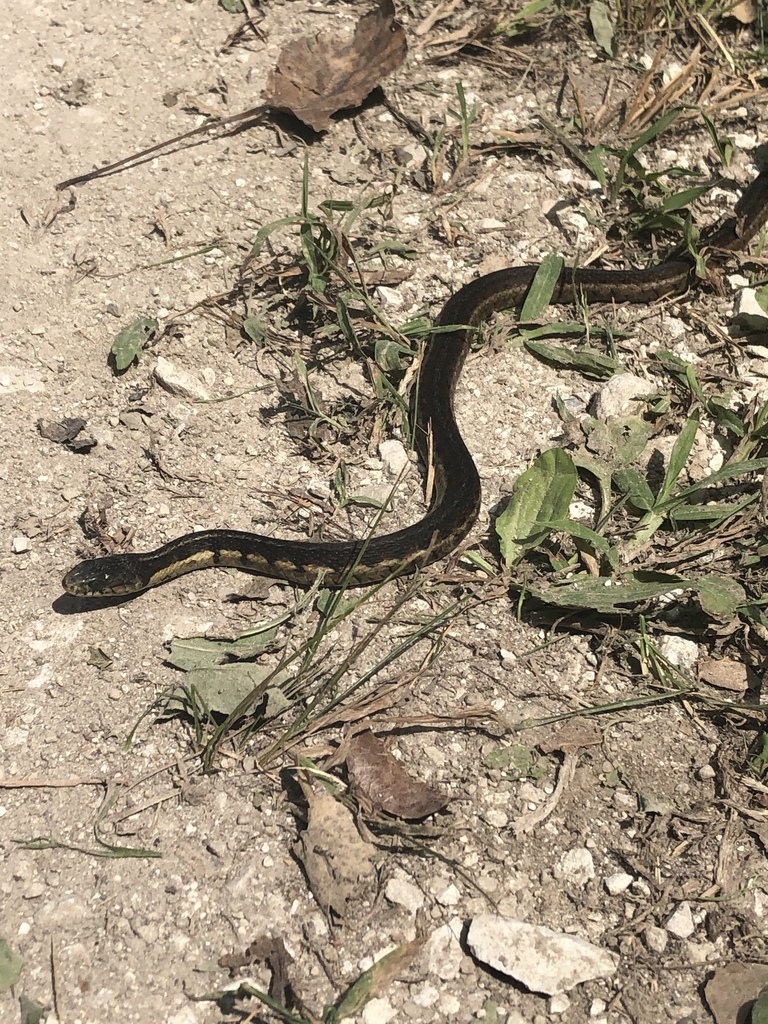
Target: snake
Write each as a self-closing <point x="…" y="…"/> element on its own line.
<point x="456" y="491"/>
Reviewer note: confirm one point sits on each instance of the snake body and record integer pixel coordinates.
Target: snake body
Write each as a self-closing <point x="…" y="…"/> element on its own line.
<point x="456" y="491"/>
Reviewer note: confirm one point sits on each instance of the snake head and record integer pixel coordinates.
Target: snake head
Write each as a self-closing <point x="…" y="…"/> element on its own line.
<point x="111" y="576"/>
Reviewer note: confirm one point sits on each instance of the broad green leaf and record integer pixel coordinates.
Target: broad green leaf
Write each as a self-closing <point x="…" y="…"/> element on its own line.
<point x="603" y="27"/>
<point x="620" y="442"/>
<point x="601" y="473"/>
<point x="589" y="361"/>
<point x="728" y="472"/>
<point x="10" y="966"/>
<point x="678" y="200"/>
<point x="130" y="342"/>
<point x="31" y="1012"/>
<point x="198" y="652"/>
<point x="671" y="362"/>
<point x="387" y="354"/>
<point x="542" y="493"/>
<point x="221" y="689"/>
<point x="630" y="481"/>
<point x="759" y="1014"/>
<point x="542" y="287"/>
<point x="679" y="455"/>
<point x="719" y="596"/>
<point x="581" y="532"/>
<point x="256" y="327"/>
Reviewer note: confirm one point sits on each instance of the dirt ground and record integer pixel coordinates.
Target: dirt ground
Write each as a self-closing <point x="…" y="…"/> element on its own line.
<point x="134" y="939"/>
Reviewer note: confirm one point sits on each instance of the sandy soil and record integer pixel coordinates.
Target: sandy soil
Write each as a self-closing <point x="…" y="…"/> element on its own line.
<point x="86" y="83"/>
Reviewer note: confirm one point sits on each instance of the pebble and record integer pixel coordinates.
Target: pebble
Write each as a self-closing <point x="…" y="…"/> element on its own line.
<point x="746" y="305"/>
<point x="680" y="922"/>
<point x="20" y="544"/>
<point x="389" y="297"/>
<point x="443" y="950"/>
<point x="706" y="773"/>
<point x="655" y="939"/>
<point x="618" y="883"/>
<point x="576" y="866"/>
<point x="404" y="893"/>
<point x="617" y="398"/>
<point x="559" y="1004"/>
<point x="178" y="381"/>
<point x="450" y="1005"/>
<point x="378" y="1011"/>
<point x="449" y="897"/>
<point x="725" y="673"/>
<point x="597" y="1006"/>
<point x="394" y="456"/>
<point x="186" y="1015"/>
<point x="426" y="996"/>
<point x="496" y="818"/>
<point x="679" y="652"/>
<point x="543" y="960"/>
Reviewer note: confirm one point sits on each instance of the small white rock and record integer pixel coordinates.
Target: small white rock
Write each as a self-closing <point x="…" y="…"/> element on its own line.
<point x="576" y="866"/>
<point x="679" y="652"/>
<point x="618" y="397"/>
<point x="596" y="1007"/>
<point x="404" y="894"/>
<point x="178" y="381"/>
<point x="20" y="544"/>
<point x="656" y="939"/>
<point x="618" y="883"/>
<point x="378" y="1011"/>
<point x="747" y="305"/>
<point x="426" y="996"/>
<point x="389" y="297"/>
<point x="496" y="818"/>
<point x="680" y="922"/>
<point x="559" y="1004"/>
<point x="449" y="897"/>
<point x="394" y="456"/>
<point x="706" y="773"/>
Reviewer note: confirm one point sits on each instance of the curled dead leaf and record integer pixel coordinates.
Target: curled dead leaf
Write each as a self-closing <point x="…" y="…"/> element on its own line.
<point x="384" y="783"/>
<point x="315" y="78"/>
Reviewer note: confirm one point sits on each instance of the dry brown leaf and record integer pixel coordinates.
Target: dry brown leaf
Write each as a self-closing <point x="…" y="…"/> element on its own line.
<point x="576" y="733"/>
<point x="385" y="784"/>
<point x="725" y="674"/>
<point x="338" y="863"/>
<point x="272" y="952"/>
<point x="744" y="12"/>
<point x="316" y="78"/>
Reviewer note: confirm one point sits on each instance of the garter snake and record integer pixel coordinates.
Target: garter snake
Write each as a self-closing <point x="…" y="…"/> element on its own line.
<point x="456" y="491"/>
